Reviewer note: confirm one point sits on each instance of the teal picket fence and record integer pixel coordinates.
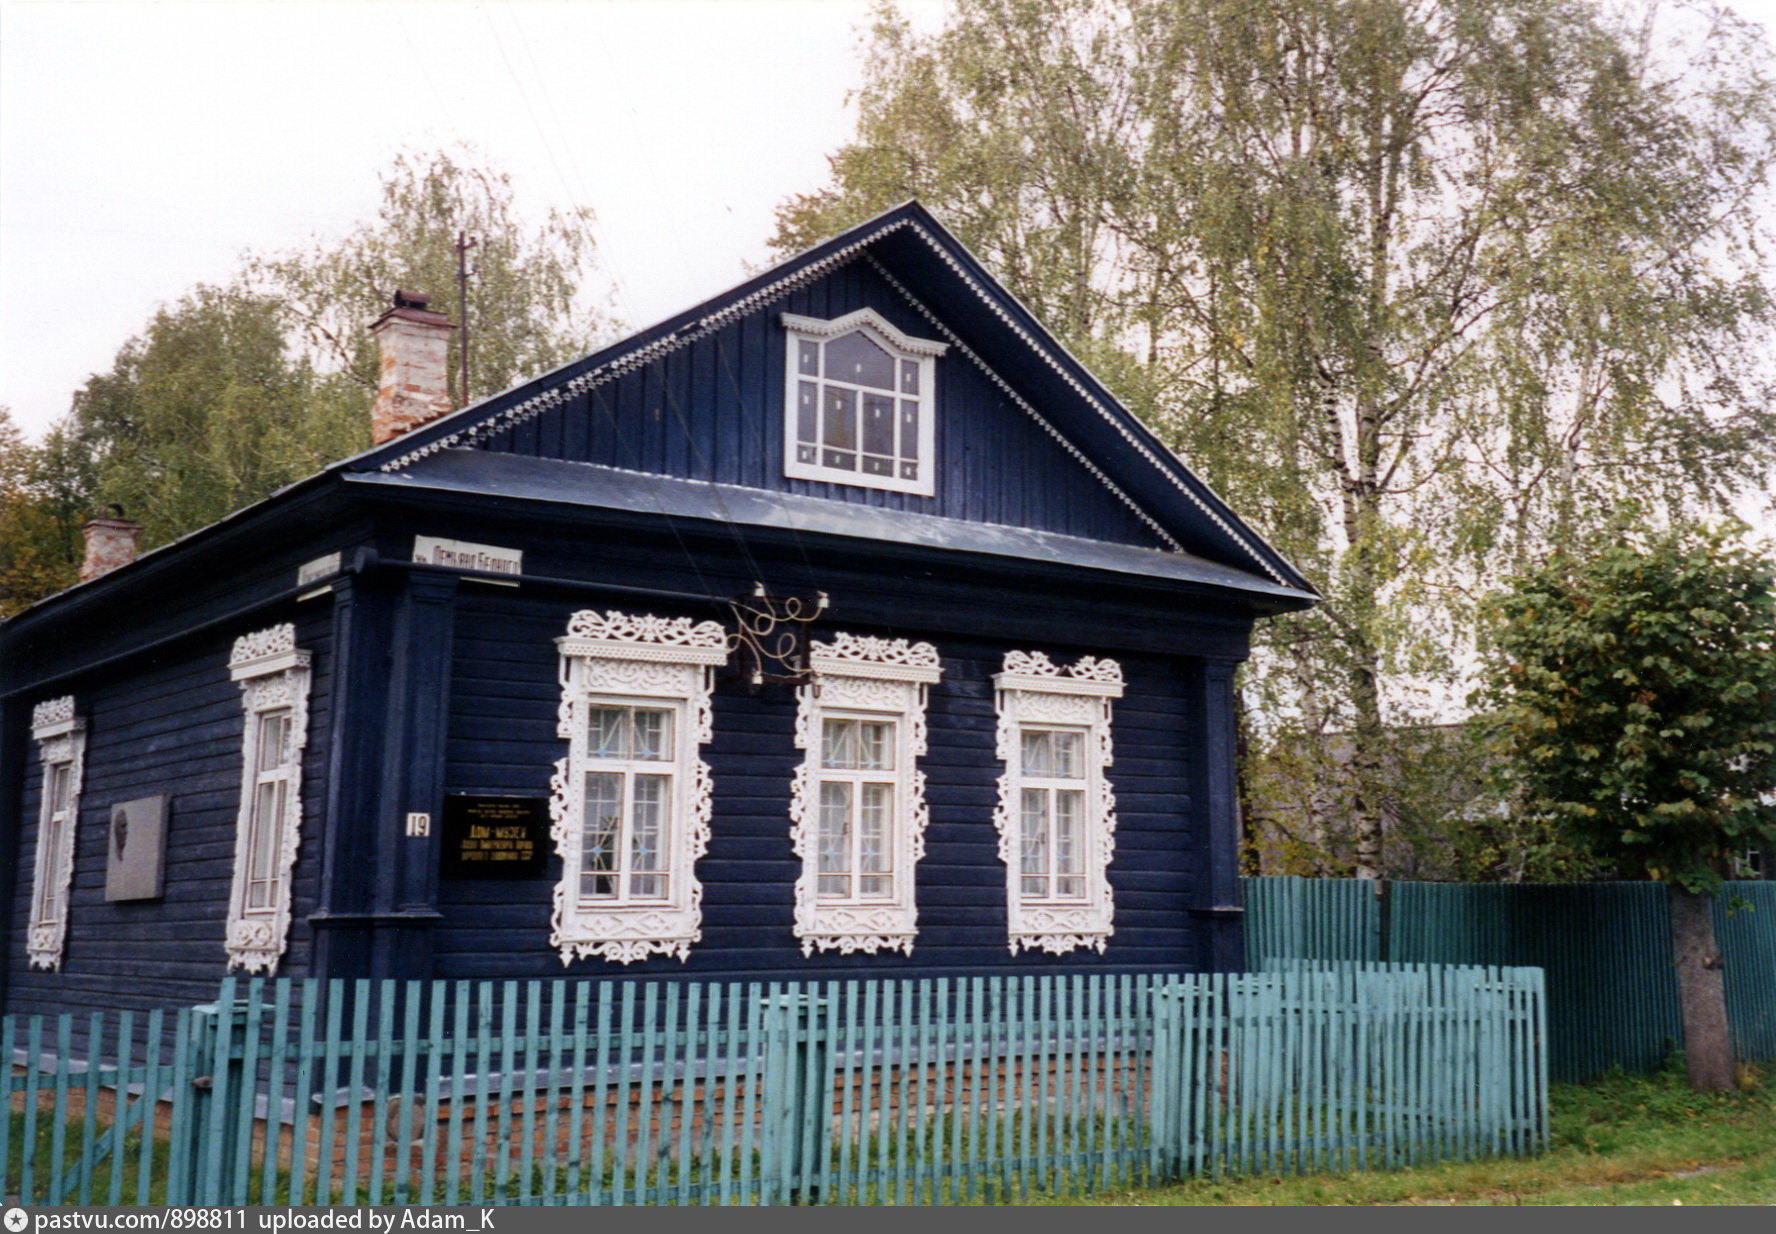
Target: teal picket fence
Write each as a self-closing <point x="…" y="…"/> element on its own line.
<point x="1605" y="947"/>
<point x="637" y="1092"/>
<point x="1316" y="1067"/>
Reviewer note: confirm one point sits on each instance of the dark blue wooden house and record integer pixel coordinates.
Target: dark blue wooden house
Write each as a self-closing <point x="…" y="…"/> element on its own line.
<point x="841" y="626"/>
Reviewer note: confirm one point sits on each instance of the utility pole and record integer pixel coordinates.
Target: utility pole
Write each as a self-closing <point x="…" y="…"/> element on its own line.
<point x="464" y="242"/>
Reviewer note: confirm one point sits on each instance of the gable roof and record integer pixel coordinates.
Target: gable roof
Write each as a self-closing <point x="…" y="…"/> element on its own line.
<point x="979" y="318"/>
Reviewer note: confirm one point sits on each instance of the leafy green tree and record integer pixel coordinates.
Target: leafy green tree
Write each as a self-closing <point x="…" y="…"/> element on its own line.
<point x="1637" y="692"/>
<point x="1420" y="287"/>
<point x="235" y="391"/>
<point x="205" y="412"/>
<point x="526" y="309"/>
<point x="44" y="497"/>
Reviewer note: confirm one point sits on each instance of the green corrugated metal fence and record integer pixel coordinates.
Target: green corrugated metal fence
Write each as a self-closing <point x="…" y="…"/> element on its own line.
<point x="1606" y="949"/>
<point x="637" y="1092"/>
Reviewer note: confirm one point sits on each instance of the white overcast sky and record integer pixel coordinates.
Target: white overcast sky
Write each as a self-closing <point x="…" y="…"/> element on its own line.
<point x="145" y="145"/>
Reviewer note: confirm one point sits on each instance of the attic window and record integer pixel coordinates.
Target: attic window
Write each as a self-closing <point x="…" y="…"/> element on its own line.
<point x="859" y="403"/>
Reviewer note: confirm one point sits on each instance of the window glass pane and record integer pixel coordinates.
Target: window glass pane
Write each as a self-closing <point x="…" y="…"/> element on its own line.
<point x="808" y="358"/>
<point x="875" y="885"/>
<point x="607" y="732"/>
<point x="1069" y="749"/>
<point x="807" y="420"/>
<point x="838" y="744"/>
<point x="1038" y="747"/>
<point x="909" y="376"/>
<point x="1033" y="886"/>
<point x="598" y="844"/>
<point x="647" y="817"/>
<point x="1069" y="819"/>
<point x="878" y="424"/>
<point x="856" y="358"/>
<point x="1071" y="886"/>
<point x="653" y="735"/>
<point x="1033" y="852"/>
<point x="274" y="730"/>
<point x="840" y="429"/>
<point x="57" y="789"/>
<point x="836" y="886"/>
<point x="875" y="745"/>
<point x="835" y="827"/>
<point x="909" y="431"/>
<point x="873" y="856"/>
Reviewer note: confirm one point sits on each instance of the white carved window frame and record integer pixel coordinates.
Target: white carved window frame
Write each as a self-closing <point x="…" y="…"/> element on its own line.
<point x="919" y="353"/>
<point x="273" y="675"/>
<point x="640" y="660"/>
<point x="872" y="678"/>
<point x="1034" y="692"/>
<point x="61" y="749"/>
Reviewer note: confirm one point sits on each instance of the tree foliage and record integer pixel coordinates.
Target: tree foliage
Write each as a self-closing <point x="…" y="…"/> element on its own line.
<point x="1419" y="287"/>
<point x="234" y="391"/>
<point x="204" y="412"/>
<point x="1636" y="691"/>
<point x="526" y="310"/>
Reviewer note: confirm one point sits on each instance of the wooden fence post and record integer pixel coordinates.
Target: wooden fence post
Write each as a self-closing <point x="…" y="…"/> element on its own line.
<point x="217" y="1066"/>
<point x="797" y="1123"/>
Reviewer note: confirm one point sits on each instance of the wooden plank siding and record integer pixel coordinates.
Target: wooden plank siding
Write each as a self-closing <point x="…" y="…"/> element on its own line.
<point x="502" y="740"/>
<point x="173" y="726"/>
<point x="713" y="410"/>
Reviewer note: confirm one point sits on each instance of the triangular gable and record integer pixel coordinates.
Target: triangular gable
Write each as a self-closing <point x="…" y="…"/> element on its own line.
<point x="941" y="293"/>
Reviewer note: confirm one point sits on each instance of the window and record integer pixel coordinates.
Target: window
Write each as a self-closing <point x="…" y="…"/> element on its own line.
<point x="857" y="804"/>
<point x="631" y="801"/>
<point x="1056" y="815"/>
<point x="61" y="745"/>
<point x="859" y="396"/>
<point x="273" y="676"/>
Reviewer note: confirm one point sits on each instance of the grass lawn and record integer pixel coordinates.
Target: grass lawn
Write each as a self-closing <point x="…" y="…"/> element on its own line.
<point x="1623" y="1140"/>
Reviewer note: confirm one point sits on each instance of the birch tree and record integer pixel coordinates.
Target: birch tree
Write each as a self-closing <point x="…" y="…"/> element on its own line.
<point x="1423" y="288"/>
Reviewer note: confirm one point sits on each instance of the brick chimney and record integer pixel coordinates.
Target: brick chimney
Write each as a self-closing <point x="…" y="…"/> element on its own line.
<point x="110" y="542"/>
<point x="412" y="389"/>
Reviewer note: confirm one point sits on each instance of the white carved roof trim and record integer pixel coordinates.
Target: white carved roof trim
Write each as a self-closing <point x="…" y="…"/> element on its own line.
<point x="1048" y="357"/>
<point x="629" y="361"/>
<point x="864" y="317"/>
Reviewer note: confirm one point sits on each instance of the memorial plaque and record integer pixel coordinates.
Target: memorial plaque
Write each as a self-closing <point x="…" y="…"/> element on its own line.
<point x="135" y="849"/>
<point x="495" y="837"/>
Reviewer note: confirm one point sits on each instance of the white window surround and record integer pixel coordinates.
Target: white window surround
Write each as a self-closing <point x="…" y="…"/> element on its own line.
<point x="273" y="675"/>
<point x="876" y="680"/>
<point x="905" y="444"/>
<point x="61" y="746"/>
<point x="667" y="664"/>
<point x="1034" y="694"/>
